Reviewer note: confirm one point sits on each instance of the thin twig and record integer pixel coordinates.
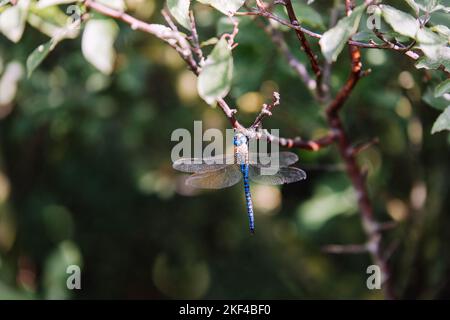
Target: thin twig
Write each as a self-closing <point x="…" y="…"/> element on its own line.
<point x="345" y="249"/>
<point x="393" y="45"/>
<point x="231" y="36"/>
<point x="311" y="145"/>
<point x="195" y="39"/>
<point x="411" y="54"/>
<point x="307" y="48"/>
<point x="174" y="38"/>
<point x="355" y="150"/>
<point x="278" y="39"/>
<point x="266" y="110"/>
<point x="327" y="66"/>
<point x="166" y="16"/>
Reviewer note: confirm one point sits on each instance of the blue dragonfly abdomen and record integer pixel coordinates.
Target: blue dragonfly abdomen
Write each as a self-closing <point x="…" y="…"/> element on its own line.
<point x="248" y="197"/>
<point x="241" y="155"/>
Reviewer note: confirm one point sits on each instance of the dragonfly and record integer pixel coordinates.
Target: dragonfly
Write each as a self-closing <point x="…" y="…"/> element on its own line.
<point x="224" y="171"/>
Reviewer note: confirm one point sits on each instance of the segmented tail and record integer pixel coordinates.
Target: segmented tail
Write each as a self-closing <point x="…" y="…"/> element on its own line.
<point x="248" y="198"/>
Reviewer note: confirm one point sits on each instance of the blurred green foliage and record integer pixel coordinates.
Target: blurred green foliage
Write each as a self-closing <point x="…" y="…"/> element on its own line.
<point x="86" y="177"/>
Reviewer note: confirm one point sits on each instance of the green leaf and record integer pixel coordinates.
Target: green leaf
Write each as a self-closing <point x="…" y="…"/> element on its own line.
<point x="225" y="6"/>
<point x="442" y="88"/>
<point x="413" y="5"/>
<point x="430" y="43"/>
<point x="400" y="21"/>
<point x="442" y="122"/>
<point x="53" y="14"/>
<point x="180" y="11"/>
<point x="428" y="6"/>
<point x="434" y="5"/>
<point x="9" y="83"/>
<point x="307" y="15"/>
<point x="215" y="78"/>
<point x="210" y="42"/>
<point x="98" y="44"/>
<point x="427" y="63"/>
<point x="439" y="103"/>
<point x="334" y="40"/>
<point x="442" y="30"/>
<point x="365" y="36"/>
<point x="47" y="3"/>
<point x="440" y="18"/>
<point x="12" y="20"/>
<point x="37" y="56"/>
<point x="325" y="205"/>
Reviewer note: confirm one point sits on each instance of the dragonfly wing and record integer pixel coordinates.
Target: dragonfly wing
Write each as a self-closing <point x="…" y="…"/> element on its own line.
<point x="218" y="179"/>
<point x="192" y="165"/>
<point x="285" y="159"/>
<point x="284" y="175"/>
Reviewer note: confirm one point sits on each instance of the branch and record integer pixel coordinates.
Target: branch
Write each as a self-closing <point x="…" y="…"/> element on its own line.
<point x="355" y="150"/>
<point x="297" y="142"/>
<point x="255" y="131"/>
<point x="371" y="45"/>
<point x="327" y="66"/>
<point x="348" y="248"/>
<point x="306" y="47"/>
<point x="370" y="226"/>
<point x="195" y="39"/>
<point x="337" y="132"/>
<point x="174" y="38"/>
<point x="229" y="113"/>
<point x="166" y="16"/>
<point x="411" y="54"/>
<point x="277" y="38"/>
<point x="395" y="46"/>
<point x="177" y="41"/>
<point x="266" y="110"/>
<point x="355" y="75"/>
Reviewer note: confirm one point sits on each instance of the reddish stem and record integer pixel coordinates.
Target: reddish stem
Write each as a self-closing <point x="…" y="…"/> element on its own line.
<point x="306" y="47"/>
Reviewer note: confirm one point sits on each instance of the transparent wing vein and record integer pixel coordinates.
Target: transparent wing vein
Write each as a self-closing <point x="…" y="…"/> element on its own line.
<point x="283" y="158"/>
<point x="284" y="175"/>
<point x="222" y="178"/>
<point x="192" y="165"/>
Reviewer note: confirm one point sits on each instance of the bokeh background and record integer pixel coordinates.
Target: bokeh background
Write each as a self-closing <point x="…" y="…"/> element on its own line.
<point x="86" y="176"/>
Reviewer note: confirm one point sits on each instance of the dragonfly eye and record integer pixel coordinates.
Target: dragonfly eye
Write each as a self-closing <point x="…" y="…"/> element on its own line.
<point x="239" y="139"/>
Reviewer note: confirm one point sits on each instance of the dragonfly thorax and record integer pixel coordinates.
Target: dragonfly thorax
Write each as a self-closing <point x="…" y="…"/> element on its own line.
<point x="240" y="148"/>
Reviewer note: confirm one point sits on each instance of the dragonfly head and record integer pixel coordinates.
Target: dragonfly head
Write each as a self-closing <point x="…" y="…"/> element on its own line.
<point x="239" y="139"/>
